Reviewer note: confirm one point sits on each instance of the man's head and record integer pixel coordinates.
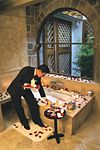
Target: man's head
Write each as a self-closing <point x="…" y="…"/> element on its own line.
<point x="42" y="70"/>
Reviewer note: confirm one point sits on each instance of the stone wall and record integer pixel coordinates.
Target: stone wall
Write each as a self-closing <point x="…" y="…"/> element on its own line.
<point x="13" y="54"/>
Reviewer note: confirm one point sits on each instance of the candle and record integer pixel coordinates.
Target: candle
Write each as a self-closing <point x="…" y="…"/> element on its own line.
<point x="33" y="83"/>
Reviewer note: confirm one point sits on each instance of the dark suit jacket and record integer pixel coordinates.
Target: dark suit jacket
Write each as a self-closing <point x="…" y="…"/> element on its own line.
<point x="24" y="76"/>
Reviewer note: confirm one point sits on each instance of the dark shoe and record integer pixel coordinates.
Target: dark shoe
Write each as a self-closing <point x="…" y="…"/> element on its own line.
<point x="26" y="126"/>
<point x="41" y="124"/>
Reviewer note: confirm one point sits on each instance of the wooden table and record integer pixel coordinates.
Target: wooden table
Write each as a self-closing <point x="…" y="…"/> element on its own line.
<point x="56" y="135"/>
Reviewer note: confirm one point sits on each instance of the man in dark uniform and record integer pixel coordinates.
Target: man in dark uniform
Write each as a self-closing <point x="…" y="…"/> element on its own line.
<point x="16" y="90"/>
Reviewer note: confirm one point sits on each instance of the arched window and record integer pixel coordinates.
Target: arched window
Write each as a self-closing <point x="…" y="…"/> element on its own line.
<point x="67" y="42"/>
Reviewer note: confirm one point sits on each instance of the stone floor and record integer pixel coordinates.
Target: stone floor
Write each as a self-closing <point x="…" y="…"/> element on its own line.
<point x="86" y="138"/>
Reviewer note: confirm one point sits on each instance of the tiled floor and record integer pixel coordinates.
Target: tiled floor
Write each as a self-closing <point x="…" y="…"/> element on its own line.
<point x="86" y="138"/>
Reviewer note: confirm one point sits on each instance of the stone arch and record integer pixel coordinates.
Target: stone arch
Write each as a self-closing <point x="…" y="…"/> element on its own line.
<point x="91" y="12"/>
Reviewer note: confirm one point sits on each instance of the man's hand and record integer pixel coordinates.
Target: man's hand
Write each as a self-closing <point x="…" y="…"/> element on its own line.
<point x="27" y="86"/>
<point x="38" y="87"/>
<point x="44" y="100"/>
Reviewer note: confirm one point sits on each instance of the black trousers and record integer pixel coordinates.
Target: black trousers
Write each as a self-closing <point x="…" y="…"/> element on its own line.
<point x="32" y="104"/>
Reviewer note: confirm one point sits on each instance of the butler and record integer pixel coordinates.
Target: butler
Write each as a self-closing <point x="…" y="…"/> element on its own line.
<point x="16" y="90"/>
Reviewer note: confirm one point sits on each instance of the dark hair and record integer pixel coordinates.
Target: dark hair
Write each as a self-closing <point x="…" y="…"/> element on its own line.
<point x="44" y="68"/>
